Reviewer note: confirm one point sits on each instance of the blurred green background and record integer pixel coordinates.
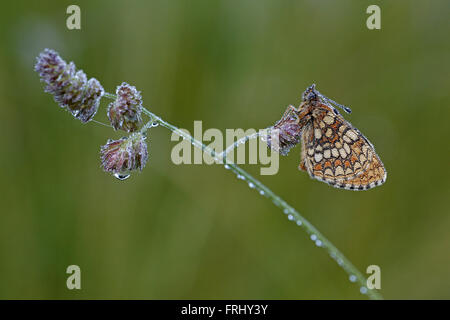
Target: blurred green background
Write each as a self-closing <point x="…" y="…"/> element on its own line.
<point x="195" y="231"/>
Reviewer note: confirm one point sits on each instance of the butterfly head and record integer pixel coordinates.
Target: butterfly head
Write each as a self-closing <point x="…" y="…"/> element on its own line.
<point x="313" y="97"/>
<point x="311" y="94"/>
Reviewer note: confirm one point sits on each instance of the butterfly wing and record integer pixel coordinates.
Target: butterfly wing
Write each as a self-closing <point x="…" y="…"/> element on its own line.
<point x="335" y="152"/>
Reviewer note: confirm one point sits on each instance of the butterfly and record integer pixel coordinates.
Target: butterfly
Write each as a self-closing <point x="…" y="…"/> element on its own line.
<point x="333" y="151"/>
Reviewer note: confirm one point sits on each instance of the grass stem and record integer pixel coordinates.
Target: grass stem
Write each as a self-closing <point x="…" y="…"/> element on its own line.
<point x="319" y="239"/>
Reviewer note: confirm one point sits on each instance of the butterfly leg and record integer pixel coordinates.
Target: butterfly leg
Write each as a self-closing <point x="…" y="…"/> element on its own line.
<point x="287" y="115"/>
<point x="302" y="166"/>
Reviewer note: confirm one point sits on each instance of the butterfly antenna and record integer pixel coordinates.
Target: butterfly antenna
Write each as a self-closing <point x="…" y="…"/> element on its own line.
<point x="346" y="109"/>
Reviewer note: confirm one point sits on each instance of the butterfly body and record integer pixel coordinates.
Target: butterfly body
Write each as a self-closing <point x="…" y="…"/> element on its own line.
<point x="333" y="151"/>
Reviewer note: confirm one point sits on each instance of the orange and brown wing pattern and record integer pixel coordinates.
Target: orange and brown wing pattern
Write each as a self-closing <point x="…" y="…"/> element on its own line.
<point x="335" y="152"/>
<point x="373" y="176"/>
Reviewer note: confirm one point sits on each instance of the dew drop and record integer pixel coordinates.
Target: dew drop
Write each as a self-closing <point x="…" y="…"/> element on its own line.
<point x="299" y="223"/>
<point x="291" y="217"/>
<point x="286" y="211"/>
<point x="363" y="290"/>
<point x="352" y="278"/>
<point x="227" y="166"/>
<point x="251" y="185"/>
<point x="155" y="124"/>
<point x="313" y="237"/>
<point x="121" y="176"/>
<point x="261" y="192"/>
<point x="340" y="262"/>
<point x="239" y="176"/>
<point x="318" y="243"/>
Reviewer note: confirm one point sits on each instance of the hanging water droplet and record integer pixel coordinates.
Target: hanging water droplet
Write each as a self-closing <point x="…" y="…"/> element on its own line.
<point x="318" y="243"/>
<point x="286" y="211"/>
<point x="352" y="278"/>
<point x="251" y="185"/>
<point x="340" y="262"/>
<point x="227" y="166"/>
<point x="363" y="290"/>
<point x="299" y="223"/>
<point x="261" y="192"/>
<point x="291" y="217"/>
<point x="313" y="237"/>
<point x="239" y="176"/>
<point x="155" y="124"/>
<point x="121" y="176"/>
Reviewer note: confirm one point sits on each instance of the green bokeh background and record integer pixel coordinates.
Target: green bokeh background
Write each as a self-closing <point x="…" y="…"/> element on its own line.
<point x="195" y="231"/>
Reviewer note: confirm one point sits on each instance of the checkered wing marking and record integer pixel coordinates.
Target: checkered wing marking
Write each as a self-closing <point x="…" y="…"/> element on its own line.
<point x="335" y="152"/>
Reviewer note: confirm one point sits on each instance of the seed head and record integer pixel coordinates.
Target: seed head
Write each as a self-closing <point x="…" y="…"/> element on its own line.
<point x="124" y="155"/>
<point x="125" y="112"/>
<point x="286" y="133"/>
<point x="70" y="87"/>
